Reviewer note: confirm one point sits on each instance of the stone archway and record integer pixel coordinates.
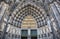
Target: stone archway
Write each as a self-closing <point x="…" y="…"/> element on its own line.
<point x="32" y="10"/>
<point x="16" y="18"/>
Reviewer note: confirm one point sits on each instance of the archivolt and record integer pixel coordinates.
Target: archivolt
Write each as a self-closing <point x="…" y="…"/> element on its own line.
<point x="19" y="14"/>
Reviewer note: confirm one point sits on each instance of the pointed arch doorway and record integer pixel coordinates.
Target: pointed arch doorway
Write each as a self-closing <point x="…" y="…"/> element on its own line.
<point x="31" y="18"/>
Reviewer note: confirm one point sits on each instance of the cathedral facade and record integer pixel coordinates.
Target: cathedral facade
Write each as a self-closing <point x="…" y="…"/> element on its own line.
<point x="30" y="19"/>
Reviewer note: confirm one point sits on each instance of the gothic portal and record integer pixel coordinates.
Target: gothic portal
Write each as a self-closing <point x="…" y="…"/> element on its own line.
<point x="30" y="19"/>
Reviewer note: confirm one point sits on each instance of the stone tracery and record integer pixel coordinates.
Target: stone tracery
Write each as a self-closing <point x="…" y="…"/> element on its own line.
<point x="29" y="10"/>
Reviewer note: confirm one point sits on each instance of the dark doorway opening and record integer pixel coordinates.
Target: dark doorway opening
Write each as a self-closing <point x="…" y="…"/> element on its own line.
<point x="23" y="37"/>
<point x="33" y="37"/>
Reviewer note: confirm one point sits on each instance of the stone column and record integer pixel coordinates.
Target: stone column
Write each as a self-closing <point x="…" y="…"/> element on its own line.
<point x="29" y="36"/>
<point x="38" y="33"/>
<point x="55" y="12"/>
<point x="20" y="33"/>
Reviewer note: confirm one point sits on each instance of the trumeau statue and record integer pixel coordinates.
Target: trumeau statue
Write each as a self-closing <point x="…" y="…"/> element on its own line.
<point x="18" y="15"/>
